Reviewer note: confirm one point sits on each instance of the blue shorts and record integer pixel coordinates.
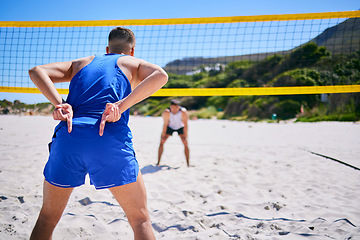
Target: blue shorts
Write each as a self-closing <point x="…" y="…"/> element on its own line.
<point x="108" y="161"/>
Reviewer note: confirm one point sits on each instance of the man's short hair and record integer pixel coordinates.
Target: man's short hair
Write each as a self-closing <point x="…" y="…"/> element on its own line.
<point x="121" y="40"/>
<point x="175" y="102"/>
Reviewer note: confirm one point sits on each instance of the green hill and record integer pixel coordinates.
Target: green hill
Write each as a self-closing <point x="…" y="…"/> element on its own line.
<point x="340" y="39"/>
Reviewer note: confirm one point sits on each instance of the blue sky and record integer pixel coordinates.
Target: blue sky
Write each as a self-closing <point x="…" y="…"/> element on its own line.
<point x="47" y="10"/>
<point x="41" y="10"/>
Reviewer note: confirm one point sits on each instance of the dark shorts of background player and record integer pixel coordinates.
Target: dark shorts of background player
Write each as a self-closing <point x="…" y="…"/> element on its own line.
<point x="169" y="131"/>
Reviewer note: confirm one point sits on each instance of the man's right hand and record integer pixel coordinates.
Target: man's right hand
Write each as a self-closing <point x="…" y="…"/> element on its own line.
<point x="111" y="114"/>
<point x="64" y="112"/>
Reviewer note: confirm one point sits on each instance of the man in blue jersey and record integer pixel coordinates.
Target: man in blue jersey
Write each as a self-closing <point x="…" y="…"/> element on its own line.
<point x="175" y="120"/>
<point x="93" y="136"/>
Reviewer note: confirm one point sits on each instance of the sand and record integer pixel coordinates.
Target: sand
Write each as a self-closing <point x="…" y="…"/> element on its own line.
<point x="247" y="181"/>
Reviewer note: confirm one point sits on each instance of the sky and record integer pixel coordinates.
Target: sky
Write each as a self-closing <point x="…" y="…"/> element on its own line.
<point x="47" y="10"/>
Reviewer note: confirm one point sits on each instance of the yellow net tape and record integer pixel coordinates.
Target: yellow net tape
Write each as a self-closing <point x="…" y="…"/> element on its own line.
<point x="174" y="21"/>
<point x="258" y="91"/>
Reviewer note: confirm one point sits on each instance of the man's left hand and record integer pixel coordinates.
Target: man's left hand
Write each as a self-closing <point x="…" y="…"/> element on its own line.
<point x="64" y="112"/>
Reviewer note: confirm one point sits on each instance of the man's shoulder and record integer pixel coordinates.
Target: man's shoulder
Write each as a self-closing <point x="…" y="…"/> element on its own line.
<point x="130" y="63"/>
<point x="166" y="112"/>
<point x="184" y="113"/>
<point x="79" y="63"/>
<point x="130" y="60"/>
<point x="84" y="59"/>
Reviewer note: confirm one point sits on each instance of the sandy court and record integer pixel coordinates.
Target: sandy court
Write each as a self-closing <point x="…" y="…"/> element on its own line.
<point x="247" y="181"/>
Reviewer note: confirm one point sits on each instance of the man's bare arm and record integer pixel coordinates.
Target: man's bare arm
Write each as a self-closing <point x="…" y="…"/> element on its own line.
<point x="184" y="118"/>
<point x="45" y="76"/>
<point x="150" y="78"/>
<point x="166" y="117"/>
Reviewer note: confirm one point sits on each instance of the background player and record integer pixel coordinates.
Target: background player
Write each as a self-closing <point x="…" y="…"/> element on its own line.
<point x="175" y="120"/>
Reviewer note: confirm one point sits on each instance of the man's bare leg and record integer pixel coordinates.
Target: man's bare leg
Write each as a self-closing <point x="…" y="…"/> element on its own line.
<point x="132" y="198"/>
<point x="187" y="155"/>
<point x="54" y="202"/>
<point x="186" y="149"/>
<point x="161" y="148"/>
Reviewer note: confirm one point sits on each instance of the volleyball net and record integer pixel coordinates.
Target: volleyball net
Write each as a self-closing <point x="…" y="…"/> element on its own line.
<point x="184" y="47"/>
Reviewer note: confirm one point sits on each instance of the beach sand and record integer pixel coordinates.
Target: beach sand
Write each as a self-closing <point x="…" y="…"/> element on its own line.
<point x="247" y="181"/>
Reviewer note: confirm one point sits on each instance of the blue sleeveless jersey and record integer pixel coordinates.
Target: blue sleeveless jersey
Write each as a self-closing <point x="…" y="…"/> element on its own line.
<point x="96" y="84"/>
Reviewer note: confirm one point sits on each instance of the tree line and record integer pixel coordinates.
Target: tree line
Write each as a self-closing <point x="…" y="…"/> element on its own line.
<point x="308" y="65"/>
